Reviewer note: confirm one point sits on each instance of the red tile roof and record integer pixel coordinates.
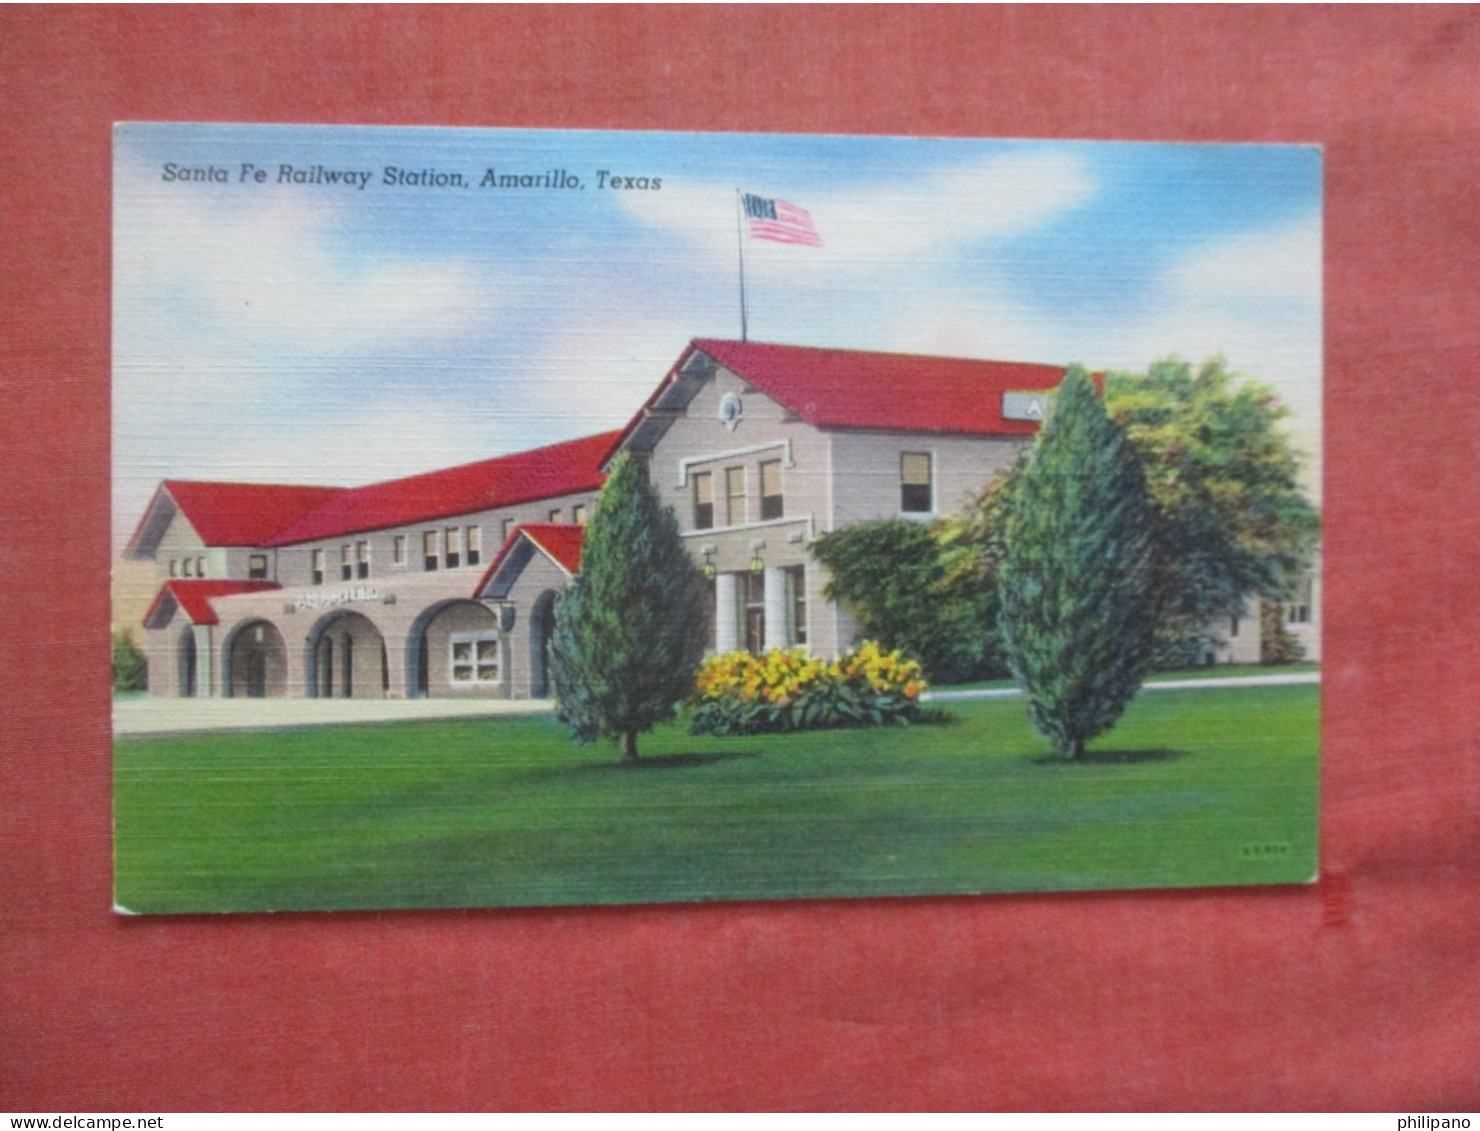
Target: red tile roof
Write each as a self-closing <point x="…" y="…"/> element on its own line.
<point x="561" y="542"/>
<point x="194" y="596"/>
<point x="895" y="392"/>
<point x="543" y="473"/>
<point x="244" y="514"/>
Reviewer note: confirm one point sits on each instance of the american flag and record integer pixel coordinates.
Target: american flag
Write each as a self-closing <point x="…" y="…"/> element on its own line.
<point x="780" y="222"/>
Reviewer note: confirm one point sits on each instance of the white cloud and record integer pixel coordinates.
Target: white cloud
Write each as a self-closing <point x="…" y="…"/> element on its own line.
<point x="271" y="272"/>
<point x="892" y="221"/>
<point x="1278" y="264"/>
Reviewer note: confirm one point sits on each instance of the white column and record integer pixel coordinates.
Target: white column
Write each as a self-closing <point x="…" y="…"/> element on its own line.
<point x="726" y="635"/>
<point x="775" y="598"/>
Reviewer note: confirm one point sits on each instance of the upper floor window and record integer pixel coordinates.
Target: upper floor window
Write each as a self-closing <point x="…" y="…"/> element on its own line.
<point x="362" y="560"/>
<point x="257" y="567"/>
<point x="771" y="501"/>
<point x="475" y="545"/>
<point x="431" y="550"/>
<point x="578" y="514"/>
<point x="174" y="567"/>
<point x="318" y="567"/>
<point x="557" y="515"/>
<point x="187" y="567"/>
<point x="704" y="500"/>
<point x="454" y="547"/>
<point x="200" y="567"/>
<point x="734" y="496"/>
<point x="398" y="549"/>
<point x="916" y="494"/>
<point x="346" y="563"/>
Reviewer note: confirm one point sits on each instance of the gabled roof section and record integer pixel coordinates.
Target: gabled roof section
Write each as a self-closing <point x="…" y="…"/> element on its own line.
<point x="224" y="514"/>
<point x="561" y="542"/>
<point x="194" y="597"/>
<point x="852" y="389"/>
<point x="543" y="473"/>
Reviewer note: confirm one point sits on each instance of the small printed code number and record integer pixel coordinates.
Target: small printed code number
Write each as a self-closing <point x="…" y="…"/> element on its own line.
<point x="1265" y="850"/>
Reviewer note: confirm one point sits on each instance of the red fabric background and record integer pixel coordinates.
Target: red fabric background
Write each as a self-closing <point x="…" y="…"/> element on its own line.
<point x="1362" y="993"/>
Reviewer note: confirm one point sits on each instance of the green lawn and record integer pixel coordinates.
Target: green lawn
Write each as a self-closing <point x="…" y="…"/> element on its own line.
<point x="1204" y="787"/>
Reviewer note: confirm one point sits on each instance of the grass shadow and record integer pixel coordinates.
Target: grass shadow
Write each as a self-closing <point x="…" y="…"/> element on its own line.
<point x="1113" y="757"/>
<point x="655" y="762"/>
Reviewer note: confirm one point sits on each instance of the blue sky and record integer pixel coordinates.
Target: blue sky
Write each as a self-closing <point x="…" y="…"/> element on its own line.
<point x="282" y="332"/>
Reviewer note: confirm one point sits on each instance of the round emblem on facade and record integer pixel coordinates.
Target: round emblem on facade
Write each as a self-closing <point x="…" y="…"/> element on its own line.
<point x="729" y="410"/>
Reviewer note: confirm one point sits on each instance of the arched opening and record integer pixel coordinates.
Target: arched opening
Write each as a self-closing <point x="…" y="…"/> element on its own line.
<point x="255" y="662"/>
<point x="346" y="658"/>
<point x="455" y="650"/>
<point x="541" y="632"/>
<point x="187" y="664"/>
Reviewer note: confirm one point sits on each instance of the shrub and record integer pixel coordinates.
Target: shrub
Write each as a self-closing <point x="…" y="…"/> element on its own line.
<point x="739" y="693"/>
<point x="918" y="588"/>
<point x="130" y="668"/>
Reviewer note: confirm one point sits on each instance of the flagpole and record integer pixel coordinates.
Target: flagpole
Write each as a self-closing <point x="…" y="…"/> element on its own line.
<point x="740" y="245"/>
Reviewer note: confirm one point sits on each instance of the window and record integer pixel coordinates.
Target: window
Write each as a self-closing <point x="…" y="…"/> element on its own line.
<point x="398" y="549"/>
<point x="346" y="563"/>
<point x="200" y="567"/>
<point x="475" y="545"/>
<point x="174" y="567"/>
<point x="578" y="514"/>
<point x="734" y="496"/>
<point x="318" y="567"/>
<point x="704" y="501"/>
<point x="915" y="494"/>
<point x="508" y="528"/>
<point x="431" y="551"/>
<point x="771" y="502"/>
<point x="454" y="547"/>
<point x="187" y="567"/>
<point x="475" y="658"/>
<point x="257" y="567"/>
<point x="1297" y="609"/>
<point x="362" y="560"/>
<point x="1232" y="626"/>
<point x="556" y="515"/>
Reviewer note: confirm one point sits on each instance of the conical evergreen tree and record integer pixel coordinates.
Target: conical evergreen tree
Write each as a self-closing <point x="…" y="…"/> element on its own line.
<point x="629" y="629"/>
<point x="1077" y="578"/>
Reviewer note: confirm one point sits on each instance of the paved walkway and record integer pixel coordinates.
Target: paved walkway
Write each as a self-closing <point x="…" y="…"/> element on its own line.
<point x="180" y="716"/>
<point x="1158" y="685"/>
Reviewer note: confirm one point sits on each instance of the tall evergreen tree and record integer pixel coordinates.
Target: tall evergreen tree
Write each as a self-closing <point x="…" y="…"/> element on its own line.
<point x="629" y="629"/>
<point x="1077" y="579"/>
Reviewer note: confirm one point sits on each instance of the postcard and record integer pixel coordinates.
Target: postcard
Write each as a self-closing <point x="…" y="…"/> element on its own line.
<point x="524" y="517"/>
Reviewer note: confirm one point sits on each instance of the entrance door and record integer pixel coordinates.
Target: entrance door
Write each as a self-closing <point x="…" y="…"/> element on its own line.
<point x="187" y="666"/>
<point x="256" y="675"/>
<point x="423" y="658"/>
<point x="755" y="612"/>
<point x="546" y="629"/>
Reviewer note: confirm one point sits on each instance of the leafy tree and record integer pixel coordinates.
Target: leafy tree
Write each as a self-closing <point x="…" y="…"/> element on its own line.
<point x="1235" y="522"/>
<point x="917" y="589"/>
<point x="629" y="629"/>
<point x="1078" y="573"/>
<point x="130" y="668"/>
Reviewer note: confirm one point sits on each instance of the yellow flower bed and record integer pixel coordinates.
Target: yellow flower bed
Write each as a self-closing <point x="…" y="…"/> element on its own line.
<point x="787" y="690"/>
